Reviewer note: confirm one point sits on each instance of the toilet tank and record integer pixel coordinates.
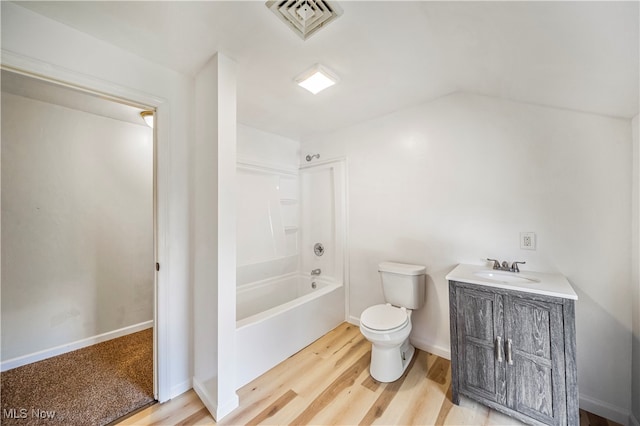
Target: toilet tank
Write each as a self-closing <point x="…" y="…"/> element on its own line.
<point x="403" y="284"/>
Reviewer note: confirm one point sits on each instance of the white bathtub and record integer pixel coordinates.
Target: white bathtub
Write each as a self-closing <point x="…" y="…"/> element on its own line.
<point x="278" y="317"/>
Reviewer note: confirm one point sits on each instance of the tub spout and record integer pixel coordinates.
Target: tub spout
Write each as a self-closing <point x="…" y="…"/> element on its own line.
<point x="316" y="271"/>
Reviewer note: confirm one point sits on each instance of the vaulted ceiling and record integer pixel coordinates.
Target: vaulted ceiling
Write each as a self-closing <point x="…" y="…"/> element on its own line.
<point x="390" y="55"/>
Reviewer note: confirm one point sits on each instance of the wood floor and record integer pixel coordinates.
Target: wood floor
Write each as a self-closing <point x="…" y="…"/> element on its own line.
<point x="328" y="382"/>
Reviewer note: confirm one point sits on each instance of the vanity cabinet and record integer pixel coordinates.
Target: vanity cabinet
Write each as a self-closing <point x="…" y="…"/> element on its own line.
<point x="514" y="351"/>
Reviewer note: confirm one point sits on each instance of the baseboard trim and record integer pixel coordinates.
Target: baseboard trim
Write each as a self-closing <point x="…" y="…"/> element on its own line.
<point x="228" y="406"/>
<point x="180" y="388"/>
<point x="204" y="397"/>
<point x="69" y="347"/>
<point x="430" y="347"/>
<point x="423" y="345"/>
<point x="217" y="411"/>
<point x="604" y="409"/>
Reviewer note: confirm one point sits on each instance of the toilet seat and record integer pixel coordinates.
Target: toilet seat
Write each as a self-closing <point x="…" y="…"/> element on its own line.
<point x="384" y="318"/>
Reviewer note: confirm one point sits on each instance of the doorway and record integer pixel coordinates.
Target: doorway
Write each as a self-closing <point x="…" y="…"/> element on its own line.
<point x="78" y="233"/>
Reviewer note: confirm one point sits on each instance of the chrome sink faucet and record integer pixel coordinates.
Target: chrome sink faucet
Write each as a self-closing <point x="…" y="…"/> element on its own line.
<point x="505" y="265"/>
<point x="316" y="271"/>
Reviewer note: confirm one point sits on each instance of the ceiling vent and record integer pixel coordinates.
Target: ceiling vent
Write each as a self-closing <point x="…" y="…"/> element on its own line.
<point x="305" y="17"/>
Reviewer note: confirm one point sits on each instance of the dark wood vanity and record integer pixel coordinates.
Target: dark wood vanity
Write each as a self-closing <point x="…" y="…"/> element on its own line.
<point x="513" y="348"/>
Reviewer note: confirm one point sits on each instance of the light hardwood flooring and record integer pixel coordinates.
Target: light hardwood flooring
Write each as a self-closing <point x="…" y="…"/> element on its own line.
<point x="328" y="383"/>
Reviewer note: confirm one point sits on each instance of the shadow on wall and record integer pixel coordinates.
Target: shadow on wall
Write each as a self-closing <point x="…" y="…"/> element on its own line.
<point x="431" y="322"/>
<point x="635" y="390"/>
<point x="597" y="330"/>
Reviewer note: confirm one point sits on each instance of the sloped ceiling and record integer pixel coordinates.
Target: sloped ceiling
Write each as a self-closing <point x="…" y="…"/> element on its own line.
<point x="389" y="55"/>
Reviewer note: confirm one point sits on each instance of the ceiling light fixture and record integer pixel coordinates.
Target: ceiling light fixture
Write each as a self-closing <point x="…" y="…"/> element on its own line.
<point x="317" y="78"/>
<point x="147" y="116"/>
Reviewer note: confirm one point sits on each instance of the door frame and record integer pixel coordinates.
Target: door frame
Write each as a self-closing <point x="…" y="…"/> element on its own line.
<point x="161" y="159"/>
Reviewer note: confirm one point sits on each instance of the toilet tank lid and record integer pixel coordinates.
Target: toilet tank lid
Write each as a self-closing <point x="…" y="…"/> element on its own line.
<point x="401" y="268"/>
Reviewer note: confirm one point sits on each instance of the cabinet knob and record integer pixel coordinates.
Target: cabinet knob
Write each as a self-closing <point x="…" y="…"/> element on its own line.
<point x="499" y="349"/>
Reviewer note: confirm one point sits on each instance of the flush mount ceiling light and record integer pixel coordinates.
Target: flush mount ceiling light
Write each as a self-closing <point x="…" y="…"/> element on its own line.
<point x="147" y="116"/>
<point x="305" y="17"/>
<point x="317" y="78"/>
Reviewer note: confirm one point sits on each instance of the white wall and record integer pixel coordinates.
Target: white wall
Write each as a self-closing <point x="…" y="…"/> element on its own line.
<point x="77" y="221"/>
<point x="41" y="45"/>
<point x="635" y="279"/>
<point x="456" y="180"/>
<point x="267" y="149"/>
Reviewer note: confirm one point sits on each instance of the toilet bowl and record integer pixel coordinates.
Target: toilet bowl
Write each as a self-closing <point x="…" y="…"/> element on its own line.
<point x="387" y="326"/>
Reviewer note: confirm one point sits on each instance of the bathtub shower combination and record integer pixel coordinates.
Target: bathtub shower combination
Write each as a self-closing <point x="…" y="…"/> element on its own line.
<point x="291" y="268"/>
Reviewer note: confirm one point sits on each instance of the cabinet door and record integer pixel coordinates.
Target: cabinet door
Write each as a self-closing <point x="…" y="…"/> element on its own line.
<point x="479" y="323"/>
<point x="535" y="378"/>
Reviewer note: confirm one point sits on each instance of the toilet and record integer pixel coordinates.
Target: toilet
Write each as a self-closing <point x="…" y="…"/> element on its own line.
<point x="387" y="326"/>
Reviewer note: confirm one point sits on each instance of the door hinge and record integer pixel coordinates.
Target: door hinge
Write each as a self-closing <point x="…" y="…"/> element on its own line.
<point x="157" y="266"/>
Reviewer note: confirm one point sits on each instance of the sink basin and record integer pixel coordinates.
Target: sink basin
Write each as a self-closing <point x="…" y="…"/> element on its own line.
<point x="505" y="277"/>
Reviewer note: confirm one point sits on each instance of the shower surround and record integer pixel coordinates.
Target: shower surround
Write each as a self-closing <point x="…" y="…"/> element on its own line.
<point x="284" y="210"/>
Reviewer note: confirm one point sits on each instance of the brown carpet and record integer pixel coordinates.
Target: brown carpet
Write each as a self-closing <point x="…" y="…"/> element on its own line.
<point x="90" y="386"/>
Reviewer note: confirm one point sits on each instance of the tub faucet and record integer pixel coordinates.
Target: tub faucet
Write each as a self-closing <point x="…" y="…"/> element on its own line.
<point x="316" y="271"/>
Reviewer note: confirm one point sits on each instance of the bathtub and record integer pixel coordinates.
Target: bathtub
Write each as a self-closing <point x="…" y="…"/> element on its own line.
<point x="278" y="317"/>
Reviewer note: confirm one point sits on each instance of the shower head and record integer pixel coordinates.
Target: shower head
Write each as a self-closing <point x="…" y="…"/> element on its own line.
<point x="311" y="157"/>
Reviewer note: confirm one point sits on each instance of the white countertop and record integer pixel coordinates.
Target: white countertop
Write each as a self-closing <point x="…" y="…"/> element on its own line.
<point x="555" y="285"/>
